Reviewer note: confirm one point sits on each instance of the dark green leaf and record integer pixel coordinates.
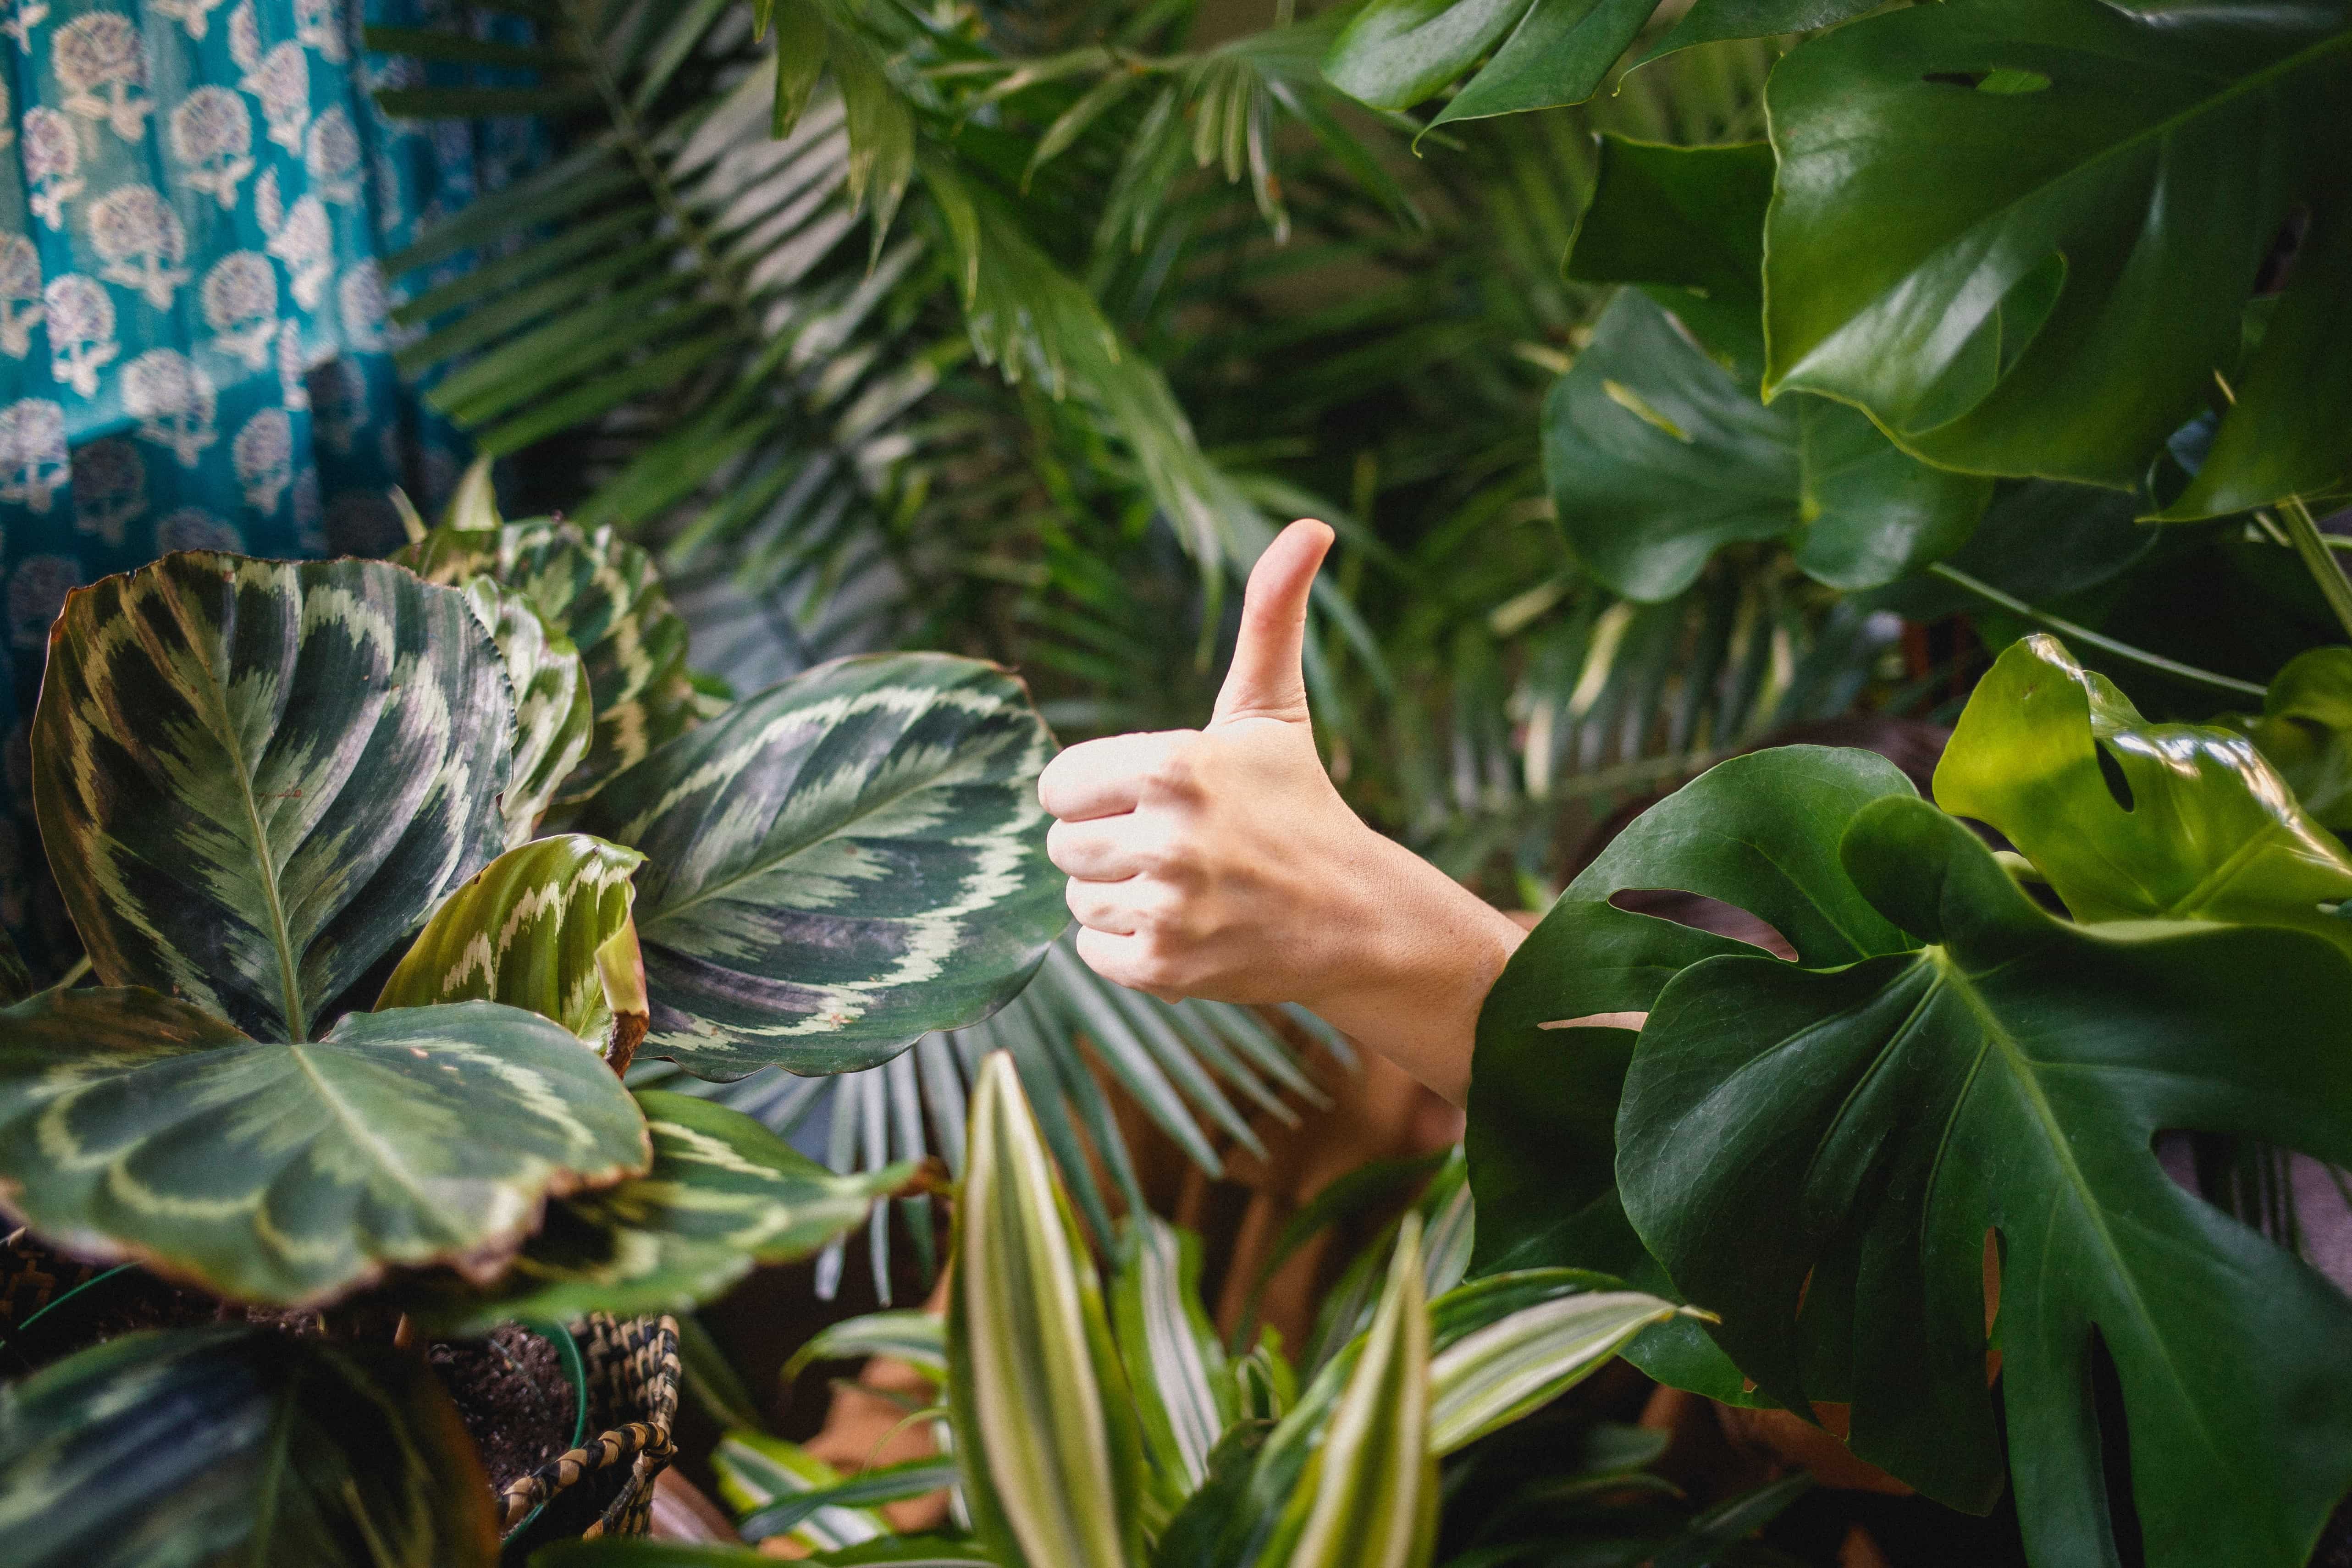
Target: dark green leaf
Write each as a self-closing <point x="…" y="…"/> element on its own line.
<point x="1687" y="223"/>
<point x="1825" y="1156"/>
<point x="254" y="777"/>
<point x="1394" y="53"/>
<point x="1713" y="21"/>
<point x="1197" y="1536"/>
<point x="235" y="1445"/>
<point x="840" y="864"/>
<point x="1560" y="53"/>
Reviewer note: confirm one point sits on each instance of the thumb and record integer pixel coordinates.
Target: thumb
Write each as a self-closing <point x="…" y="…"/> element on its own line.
<point x="1265" y="680"/>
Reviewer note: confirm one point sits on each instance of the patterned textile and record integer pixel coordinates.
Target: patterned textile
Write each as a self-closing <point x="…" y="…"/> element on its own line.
<point x="195" y="196"/>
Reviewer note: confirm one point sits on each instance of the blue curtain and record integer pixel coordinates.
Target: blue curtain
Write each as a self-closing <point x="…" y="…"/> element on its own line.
<point x="195" y="200"/>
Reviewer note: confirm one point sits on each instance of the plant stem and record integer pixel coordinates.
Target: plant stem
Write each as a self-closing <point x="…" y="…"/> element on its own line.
<point x="2089" y="638"/>
<point x="2303" y="531"/>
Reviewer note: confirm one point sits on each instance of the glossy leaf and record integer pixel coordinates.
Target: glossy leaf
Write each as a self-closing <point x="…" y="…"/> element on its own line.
<point x="1686" y="224"/>
<point x="136" y="1126"/>
<point x="1825" y="1156"/>
<point x="545" y="928"/>
<point x="235" y="1445"/>
<point x="600" y="592"/>
<point x="2130" y="820"/>
<point x="555" y="717"/>
<point x="840" y="864"/>
<point x="2061" y="309"/>
<point x="1557" y="1030"/>
<point x="723" y="1196"/>
<point x="254" y="777"/>
<point x="1046" y="1428"/>
<point x="1713" y="21"/>
<point x="757" y="1471"/>
<point x="1175" y="1365"/>
<point x="2305" y="731"/>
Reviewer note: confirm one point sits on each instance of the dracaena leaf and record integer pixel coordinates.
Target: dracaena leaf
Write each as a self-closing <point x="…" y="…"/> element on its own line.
<point x="134" y="1125"/>
<point x="757" y="1471"/>
<point x="918" y="1338"/>
<point x="545" y="928"/>
<point x="1046" y="1432"/>
<point x="1174" y="1362"/>
<point x="600" y="592"/>
<point x="722" y="1196"/>
<point x="1825" y="1157"/>
<point x="254" y="777"/>
<point x="233" y="1445"/>
<point x="1512" y="1342"/>
<point x="2131" y="820"/>
<point x="555" y="717"/>
<point x="840" y="864"/>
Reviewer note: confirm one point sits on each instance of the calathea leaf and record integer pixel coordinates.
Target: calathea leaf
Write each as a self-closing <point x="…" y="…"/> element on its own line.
<point x="1175" y="1363"/>
<point x="2305" y="731"/>
<point x="239" y="1444"/>
<point x="723" y="1195"/>
<point x="1558" y="1030"/>
<point x="2130" y="820"/>
<point x="840" y="864"/>
<point x="600" y="592"/>
<point x="2062" y="307"/>
<point x="1045" y="1424"/>
<point x="554" y="715"/>
<point x="253" y="777"/>
<point x="545" y="928"/>
<point x="134" y="1125"/>
<point x="1829" y="1157"/>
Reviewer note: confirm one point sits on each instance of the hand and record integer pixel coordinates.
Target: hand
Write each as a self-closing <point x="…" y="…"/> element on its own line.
<point x="1221" y="863"/>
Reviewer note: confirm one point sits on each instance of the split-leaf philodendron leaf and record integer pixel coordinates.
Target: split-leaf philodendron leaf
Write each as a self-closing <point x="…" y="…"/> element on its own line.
<point x="1557" y="1030"/>
<point x="840" y="864"/>
<point x="253" y="777"/>
<point x="2061" y="307"/>
<point x="2130" y="820"/>
<point x="134" y="1125"/>
<point x="545" y="928"/>
<point x="232" y="1446"/>
<point x="554" y="715"/>
<point x="604" y="593"/>
<point x="1833" y="1158"/>
<point x="2305" y="731"/>
<point x="723" y="1195"/>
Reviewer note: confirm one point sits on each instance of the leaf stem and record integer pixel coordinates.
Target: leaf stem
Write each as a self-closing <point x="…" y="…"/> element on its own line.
<point x="2089" y="638"/>
<point x="2303" y="531"/>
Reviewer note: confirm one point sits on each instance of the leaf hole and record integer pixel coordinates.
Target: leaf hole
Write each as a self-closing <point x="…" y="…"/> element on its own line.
<point x="2005" y="81"/>
<point x="2112" y="771"/>
<point x="2106" y="1394"/>
<point x="1702" y="913"/>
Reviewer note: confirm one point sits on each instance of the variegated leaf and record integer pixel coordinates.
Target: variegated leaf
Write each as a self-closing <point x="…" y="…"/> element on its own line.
<point x="757" y="1471"/>
<point x="1367" y="1497"/>
<point x="1045" y="1433"/>
<point x="234" y="1446"/>
<point x="1175" y="1363"/>
<point x="723" y="1195"/>
<point x="253" y="777"/>
<point x="840" y="864"/>
<point x="134" y="1125"/>
<point x="603" y="592"/>
<point x="555" y="717"/>
<point x="1512" y="1342"/>
<point x="918" y="1338"/>
<point x="545" y="928"/>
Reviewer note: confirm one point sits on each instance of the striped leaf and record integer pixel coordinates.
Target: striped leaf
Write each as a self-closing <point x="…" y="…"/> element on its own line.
<point x="253" y="777"/>
<point x="604" y="593"/>
<point x="1174" y="1362"/>
<point x="1045" y="1434"/>
<point x="1512" y="1342"/>
<point x="1367" y="1497"/>
<point x="883" y="1483"/>
<point x="756" y="1472"/>
<point x="554" y="716"/>
<point x="840" y="864"/>
<point x="134" y="1125"/>
<point x="545" y="928"/>
<point x="918" y="1339"/>
<point x="723" y="1196"/>
<point x="230" y="1446"/>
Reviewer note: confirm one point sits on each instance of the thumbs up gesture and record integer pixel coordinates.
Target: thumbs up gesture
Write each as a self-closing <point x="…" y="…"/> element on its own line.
<point x="1221" y="863"/>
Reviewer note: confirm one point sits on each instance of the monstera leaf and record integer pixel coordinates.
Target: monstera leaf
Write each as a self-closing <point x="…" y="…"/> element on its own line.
<point x="1557" y="1031"/>
<point x="134" y="1125"/>
<point x="2130" y="820"/>
<point x="2061" y="307"/>
<point x="840" y="864"/>
<point x="253" y="777"/>
<point x="2305" y="731"/>
<point x="554" y="715"/>
<point x="723" y="1196"/>
<point x="603" y="594"/>
<point x="239" y="1444"/>
<point x="1835" y="1160"/>
<point x="1687" y="226"/>
<point x="545" y="928"/>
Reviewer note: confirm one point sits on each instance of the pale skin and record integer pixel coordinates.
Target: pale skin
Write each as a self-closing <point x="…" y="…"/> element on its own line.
<point x="1221" y="862"/>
